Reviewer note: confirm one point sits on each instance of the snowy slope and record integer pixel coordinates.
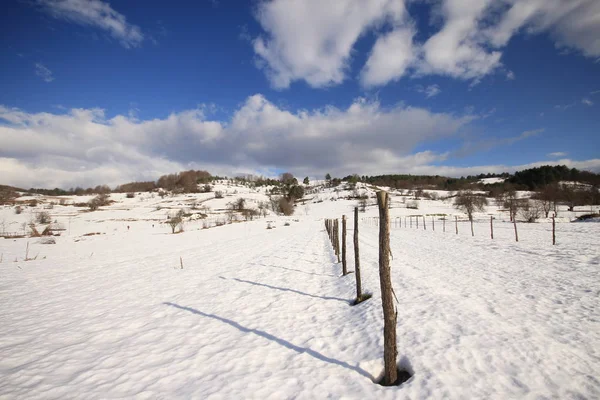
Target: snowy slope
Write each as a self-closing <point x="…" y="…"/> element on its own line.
<point x="258" y="313"/>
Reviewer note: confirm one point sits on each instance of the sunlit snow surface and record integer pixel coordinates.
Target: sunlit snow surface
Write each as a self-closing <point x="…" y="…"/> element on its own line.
<point x="258" y="313"/>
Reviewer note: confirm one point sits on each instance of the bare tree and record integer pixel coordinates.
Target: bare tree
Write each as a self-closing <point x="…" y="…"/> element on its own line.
<point x="531" y="211"/>
<point x="470" y="203"/>
<point x="175" y="221"/>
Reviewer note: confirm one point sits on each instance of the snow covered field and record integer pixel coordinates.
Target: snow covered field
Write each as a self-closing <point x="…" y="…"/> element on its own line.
<point x="258" y="313"/>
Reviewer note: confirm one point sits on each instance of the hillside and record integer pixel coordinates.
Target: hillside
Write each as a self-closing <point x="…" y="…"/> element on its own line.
<point x="258" y="312"/>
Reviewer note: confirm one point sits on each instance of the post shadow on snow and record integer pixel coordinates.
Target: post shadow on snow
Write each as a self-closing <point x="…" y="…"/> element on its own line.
<point x="288" y="290"/>
<point x="294" y="270"/>
<point x="282" y="342"/>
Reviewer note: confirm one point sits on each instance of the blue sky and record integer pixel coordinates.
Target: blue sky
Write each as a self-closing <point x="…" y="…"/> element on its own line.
<point x="96" y="92"/>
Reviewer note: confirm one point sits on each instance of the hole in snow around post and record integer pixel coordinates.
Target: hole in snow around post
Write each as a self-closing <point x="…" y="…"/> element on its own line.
<point x="405" y="372"/>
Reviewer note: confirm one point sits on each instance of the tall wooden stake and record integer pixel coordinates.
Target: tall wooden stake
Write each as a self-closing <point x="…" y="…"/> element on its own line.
<point x="515" y="224"/>
<point x="456" y="223"/>
<point x="344" y="269"/>
<point x="492" y="226"/>
<point x="472" y="232"/>
<point x="553" y="231"/>
<point x="387" y="299"/>
<point x="444" y="224"/>
<point x="424" y="225"/>
<point x="433" y="222"/>
<point x="337" y="238"/>
<point x="356" y="258"/>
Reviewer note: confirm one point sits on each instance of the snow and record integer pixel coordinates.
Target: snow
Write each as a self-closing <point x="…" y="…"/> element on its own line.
<point x="259" y="313"/>
<point x="490" y="181"/>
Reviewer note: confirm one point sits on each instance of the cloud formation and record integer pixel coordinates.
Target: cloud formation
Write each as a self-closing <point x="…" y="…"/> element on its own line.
<point x="313" y="41"/>
<point x="84" y="146"/>
<point x="557" y="154"/>
<point x="95" y="13"/>
<point x="429" y="91"/>
<point x="43" y="72"/>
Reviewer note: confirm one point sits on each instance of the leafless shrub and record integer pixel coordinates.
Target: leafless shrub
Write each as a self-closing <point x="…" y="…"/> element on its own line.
<point x="413" y="204"/>
<point x="470" y="202"/>
<point x="130" y="195"/>
<point x="219" y="194"/>
<point x="176" y="221"/>
<point x="43" y="217"/>
<point x="286" y="206"/>
<point x="18" y="210"/>
<point x="103" y="199"/>
<point x="531" y="211"/>
<point x="249" y="214"/>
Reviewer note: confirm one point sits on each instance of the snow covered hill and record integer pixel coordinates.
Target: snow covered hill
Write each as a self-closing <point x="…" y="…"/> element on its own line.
<point x="264" y="313"/>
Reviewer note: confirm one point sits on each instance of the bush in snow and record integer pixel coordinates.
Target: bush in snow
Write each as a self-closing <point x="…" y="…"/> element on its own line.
<point x="470" y="202"/>
<point x="43" y="218"/>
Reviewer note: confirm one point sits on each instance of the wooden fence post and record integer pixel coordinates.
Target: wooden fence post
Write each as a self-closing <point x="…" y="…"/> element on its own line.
<point x="356" y="258"/>
<point x="410" y="221"/>
<point x="492" y="226"/>
<point x="553" y="231"/>
<point x="337" y="239"/>
<point x="515" y="224"/>
<point x="444" y="224"/>
<point x="417" y="218"/>
<point x="387" y="300"/>
<point x="344" y="269"/>
<point x="456" y="223"/>
<point x="433" y="222"/>
<point x="424" y="225"/>
<point x="472" y="232"/>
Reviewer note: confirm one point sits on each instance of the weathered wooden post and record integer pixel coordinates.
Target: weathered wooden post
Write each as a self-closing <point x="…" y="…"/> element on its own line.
<point x="387" y="300"/>
<point x="456" y="223"/>
<point x="472" y="232"/>
<point x="417" y="218"/>
<point x="444" y="224"/>
<point x="553" y="231"/>
<point x="515" y="224"/>
<point x="344" y="269"/>
<point x="357" y="258"/>
<point x="433" y="222"/>
<point x="492" y="226"/>
<point x="410" y="221"/>
<point x="337" y="239"/>
<point x="424" y="225"/>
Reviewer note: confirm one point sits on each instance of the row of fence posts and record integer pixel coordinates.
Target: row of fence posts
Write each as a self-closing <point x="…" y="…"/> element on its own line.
<point x="390" y="313"/>
<point x="397" y="221"/>
<point x="387" y="293"/>
<point x="332" y="228"/>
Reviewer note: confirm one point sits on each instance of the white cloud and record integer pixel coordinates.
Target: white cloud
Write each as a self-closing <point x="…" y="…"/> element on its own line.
<point x="473" y="146"/>
<point x="557" y="154"/>
<point x="587" y="102"/>
<point x="96" y="13"/>
<point x="571" y="23"/>
<point x="43" y="72"/>
<point x="312" y="40"/>
<point x="391" y="56"/>
<point x="563" y="107"/>
<point x="84" y="147"/>
<point x="595" y="92"/>
<point x="429" y="91"/>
